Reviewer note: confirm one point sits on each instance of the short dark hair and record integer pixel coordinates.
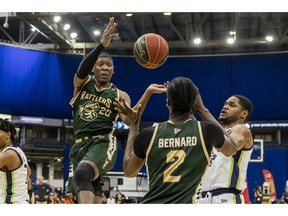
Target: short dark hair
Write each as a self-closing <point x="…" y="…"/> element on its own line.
<point x="246" y="104"/>
<point x="181" y="94"/>
<point x="105" y="55"/>
<point x="8" y="126"/>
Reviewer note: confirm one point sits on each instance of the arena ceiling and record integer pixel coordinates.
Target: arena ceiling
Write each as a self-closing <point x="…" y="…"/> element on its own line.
<point x="179" y="29"/>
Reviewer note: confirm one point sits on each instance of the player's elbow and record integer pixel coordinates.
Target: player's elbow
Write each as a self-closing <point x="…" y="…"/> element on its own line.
<point x="129" y="174"/>
<point x="230" y="151"/>
<point x="132" y="165"/>
<point x="229" y="147"/>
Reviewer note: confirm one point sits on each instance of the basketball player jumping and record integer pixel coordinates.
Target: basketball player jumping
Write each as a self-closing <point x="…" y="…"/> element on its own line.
<point x="225" y="178"/>
<point x="95" y="148"/>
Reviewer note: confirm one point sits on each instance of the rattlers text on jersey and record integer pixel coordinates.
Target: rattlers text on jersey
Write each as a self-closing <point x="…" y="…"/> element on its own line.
<point x="93" y="109"/>
<point x="13" y="184"/>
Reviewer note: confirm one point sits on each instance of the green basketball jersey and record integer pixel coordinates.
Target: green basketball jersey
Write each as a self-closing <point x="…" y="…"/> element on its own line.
<point x="93" y="110"/>
<point x="176" y="161"/>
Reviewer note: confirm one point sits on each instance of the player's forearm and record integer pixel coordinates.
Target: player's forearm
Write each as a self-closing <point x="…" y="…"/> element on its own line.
<point x="206" y="116"/>
<point x="152" y="89"/>
<point x="88" y="62"/>
<point x="129" y="149"/>
<point x="133" y="131"/>
<point x="144" y="99"/>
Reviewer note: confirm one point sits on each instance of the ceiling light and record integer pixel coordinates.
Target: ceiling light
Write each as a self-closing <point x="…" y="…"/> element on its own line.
<point x="96" y="32"/>
<point x="269" y="38"/>
<point x="6" y="24"/>
<point x="167" y="13"/>
<point x="197" y="41"/>
<point x="66" y="27"/>
<point x="57" y="19"/>
<point x="230" y="40"/>
<point x="73" y="35"/>
<point x="33" y="28"/>
<point x="129" y="14"/>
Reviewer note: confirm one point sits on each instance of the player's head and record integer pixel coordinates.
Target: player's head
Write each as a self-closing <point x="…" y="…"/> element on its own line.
<point x="246" y="105"/>
<point x="8" y="127"/>
<point x="181" y="94"/>
<point x="103" y="68"/>
<point x="105" y="55"/>
<point x="236" y="109"/>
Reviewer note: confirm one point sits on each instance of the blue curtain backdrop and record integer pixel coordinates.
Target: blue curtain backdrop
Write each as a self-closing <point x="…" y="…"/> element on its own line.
<point x="40" y="84"/>
<point x="36" y="83"/>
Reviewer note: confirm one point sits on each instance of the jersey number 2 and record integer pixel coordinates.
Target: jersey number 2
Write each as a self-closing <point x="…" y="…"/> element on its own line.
<point x="176" y="157"/>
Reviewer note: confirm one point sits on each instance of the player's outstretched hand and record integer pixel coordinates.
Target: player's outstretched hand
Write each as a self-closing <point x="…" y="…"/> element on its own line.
<point x="158" y="88"/>
<point x="133" y="116"/>
<point x="198" y="106"/>
<point x="108" y="32"/>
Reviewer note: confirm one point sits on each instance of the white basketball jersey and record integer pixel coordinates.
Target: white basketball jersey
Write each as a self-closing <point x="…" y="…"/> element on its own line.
<point x="227" y="172"/>
<point x="13" y="184"/>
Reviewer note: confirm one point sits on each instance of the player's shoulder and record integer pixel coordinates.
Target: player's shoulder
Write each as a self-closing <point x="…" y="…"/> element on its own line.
<point x="240" y="127"/>
<point x="11" y="149"/>
<point x="123" y="94"/>
<point x="208" y="124"/>
<point x="148" y="130"/>
<point x="244" y="130"/>
<point x="211" y="128"/>
<point x="11" y="153"/>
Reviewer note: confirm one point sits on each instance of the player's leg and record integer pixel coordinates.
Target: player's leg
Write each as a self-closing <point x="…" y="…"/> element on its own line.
<point x="106" y="149"/>
<point x="99" y="159"/>
<point x="71" y="185"/>
<point x="85" y="173"/>
<point x="75" y="157"/>
<point x="97" y="183"/>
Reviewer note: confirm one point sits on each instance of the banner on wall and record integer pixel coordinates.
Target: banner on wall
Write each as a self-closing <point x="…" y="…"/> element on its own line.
<point x="245" y="194"/>
<point x="268" y="177"/>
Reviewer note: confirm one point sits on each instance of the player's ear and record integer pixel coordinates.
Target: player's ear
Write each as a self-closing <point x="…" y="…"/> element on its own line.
<point x="244" y="114"/>
<point x="8" y="135"/>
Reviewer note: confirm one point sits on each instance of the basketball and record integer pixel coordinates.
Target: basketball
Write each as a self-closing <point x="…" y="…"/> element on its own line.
<point x="151" y="50"/>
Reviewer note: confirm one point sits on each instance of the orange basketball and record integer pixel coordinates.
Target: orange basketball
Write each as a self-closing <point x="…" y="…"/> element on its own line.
<point x="151" y="50"/>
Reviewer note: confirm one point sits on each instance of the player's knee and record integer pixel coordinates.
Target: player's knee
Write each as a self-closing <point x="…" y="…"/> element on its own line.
<point x="83" y="177"/>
